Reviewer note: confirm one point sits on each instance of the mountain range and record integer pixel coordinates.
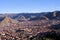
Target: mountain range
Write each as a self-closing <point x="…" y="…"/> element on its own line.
<point x="32" y="25"/>
<point x="32" y="16"/>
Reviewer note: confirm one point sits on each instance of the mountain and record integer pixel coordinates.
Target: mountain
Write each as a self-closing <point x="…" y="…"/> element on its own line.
<point x="33" y="26"/>
<point x="33" y="16"/>
<point x="53" y="15"/>
<point x="7" y="21"/>
<point x="24" y="16"/>
<point x="27" y="16"/>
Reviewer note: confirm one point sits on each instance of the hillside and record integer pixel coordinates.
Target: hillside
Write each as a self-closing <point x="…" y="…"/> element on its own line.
<point x="7" y="21"/>
<point x="30" y="26"/>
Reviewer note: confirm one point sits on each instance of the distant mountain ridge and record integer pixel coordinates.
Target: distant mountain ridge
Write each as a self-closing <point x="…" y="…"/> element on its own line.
<point x="50" y="15"/>
<point x="33" y="16"/>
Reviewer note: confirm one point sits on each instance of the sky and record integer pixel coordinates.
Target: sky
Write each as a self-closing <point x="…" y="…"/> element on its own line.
<point x="28" y="6"/>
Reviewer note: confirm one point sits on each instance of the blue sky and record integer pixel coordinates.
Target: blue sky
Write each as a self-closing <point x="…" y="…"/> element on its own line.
<point x="28" y="6"/>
